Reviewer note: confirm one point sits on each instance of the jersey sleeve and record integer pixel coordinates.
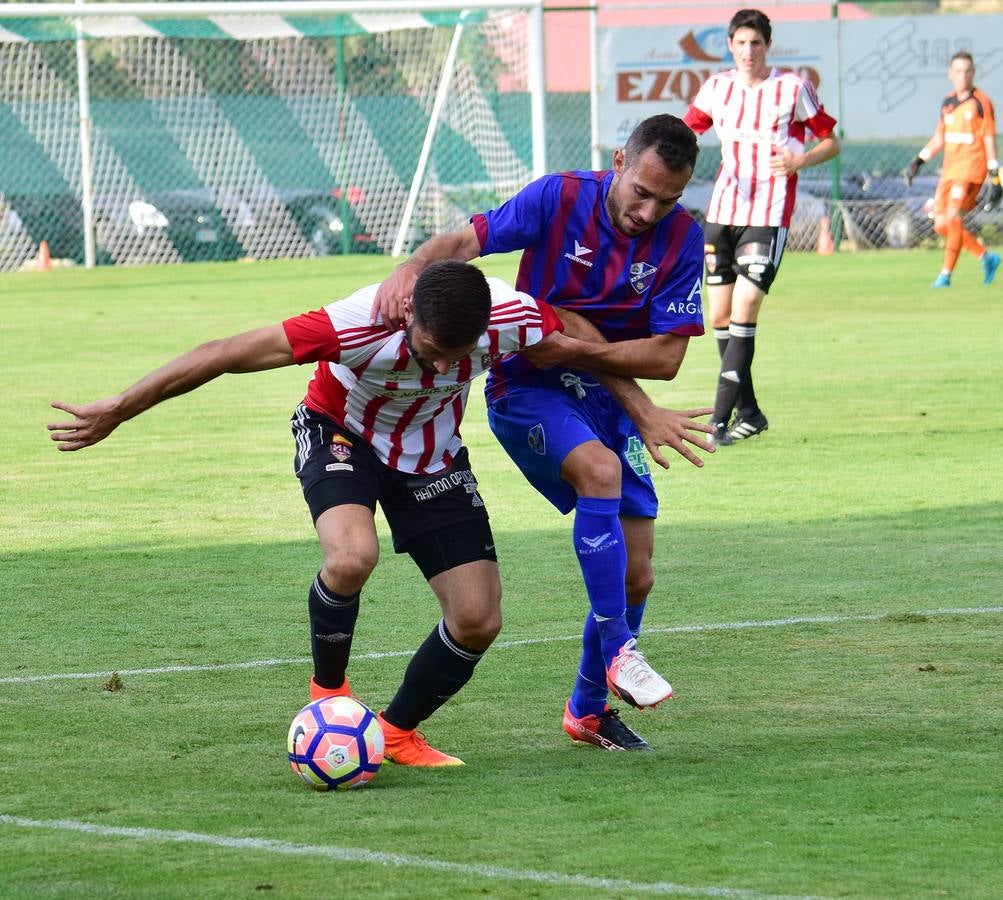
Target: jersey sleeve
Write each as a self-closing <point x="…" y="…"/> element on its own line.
<point x="518" y="320"/>
<point x="521" y="221"/>
<point x="700" y="114"/>
<point x="809" y="109"/>
<point x="312" y="337"/>
<point x="988" y="116"/>
<point x="676" y="308"/>
<point x="340" y="332"/>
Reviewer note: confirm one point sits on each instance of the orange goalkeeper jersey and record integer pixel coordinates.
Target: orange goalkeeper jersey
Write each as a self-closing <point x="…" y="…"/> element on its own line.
<point x="963" y="124"/>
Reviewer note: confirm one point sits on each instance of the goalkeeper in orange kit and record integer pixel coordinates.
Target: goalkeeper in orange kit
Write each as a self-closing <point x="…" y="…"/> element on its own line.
<point x="966" y="133"/>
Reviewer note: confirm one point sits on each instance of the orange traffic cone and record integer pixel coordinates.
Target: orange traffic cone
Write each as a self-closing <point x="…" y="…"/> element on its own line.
<point x="44" y="259"/>
<point x="824" y="245"/>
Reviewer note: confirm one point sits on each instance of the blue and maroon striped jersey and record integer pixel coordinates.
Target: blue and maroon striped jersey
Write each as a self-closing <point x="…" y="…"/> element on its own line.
<point x="574" y="257"/>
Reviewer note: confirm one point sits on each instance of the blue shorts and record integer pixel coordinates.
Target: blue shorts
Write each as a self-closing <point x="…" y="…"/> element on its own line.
<point x="542" y="419"/>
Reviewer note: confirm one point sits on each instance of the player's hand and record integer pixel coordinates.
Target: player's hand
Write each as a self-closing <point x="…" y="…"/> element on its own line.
<point x="92" y="422"/>
<point x="674" y="428"/>
<point x="995" y="191"/>
<point x="783" y="162"/>
<point x="912" y="170"/>
<point x="392" y="302"/>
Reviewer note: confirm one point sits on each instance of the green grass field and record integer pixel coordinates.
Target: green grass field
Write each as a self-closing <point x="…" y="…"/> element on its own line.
<point x="828" y="608"/>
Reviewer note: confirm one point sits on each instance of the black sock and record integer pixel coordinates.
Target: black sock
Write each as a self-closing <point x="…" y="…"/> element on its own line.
<point x="332" y="623"/>
<point x="721" y="335"/>
<point x="746" y="403"/>
<point x="734" y="368"/>
<point x="439" y="668"/>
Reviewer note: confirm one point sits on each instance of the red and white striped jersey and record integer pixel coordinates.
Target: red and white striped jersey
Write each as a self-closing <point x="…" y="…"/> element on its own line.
<point x="367" y="381"/>
<point x="750" y="122"/>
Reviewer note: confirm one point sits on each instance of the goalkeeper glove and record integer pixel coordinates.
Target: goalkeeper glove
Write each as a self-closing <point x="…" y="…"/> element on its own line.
<point x="912" y="170"/>
<point x="995" y="190"/>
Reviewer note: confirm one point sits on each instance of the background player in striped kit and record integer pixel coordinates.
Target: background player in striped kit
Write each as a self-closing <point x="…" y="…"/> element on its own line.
<point x="380" y="424"/>
<point x="618" y="249"/>
<point x="966" y="132"/>
<point x="760" y="115"/>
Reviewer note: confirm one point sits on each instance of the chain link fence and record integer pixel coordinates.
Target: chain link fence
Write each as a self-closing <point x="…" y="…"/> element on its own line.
<point x="258" y="136"/>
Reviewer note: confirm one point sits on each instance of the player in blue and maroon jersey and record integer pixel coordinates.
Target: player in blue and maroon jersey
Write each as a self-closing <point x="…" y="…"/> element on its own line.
<point x="616" y="248"/>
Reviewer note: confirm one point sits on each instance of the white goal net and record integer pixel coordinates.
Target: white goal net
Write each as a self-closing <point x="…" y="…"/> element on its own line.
<point x="258" y="135"/>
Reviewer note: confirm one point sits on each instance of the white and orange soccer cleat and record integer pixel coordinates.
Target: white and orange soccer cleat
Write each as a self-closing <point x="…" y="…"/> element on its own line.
<point x="408" y="747"/>
<point x="633" y="680"/>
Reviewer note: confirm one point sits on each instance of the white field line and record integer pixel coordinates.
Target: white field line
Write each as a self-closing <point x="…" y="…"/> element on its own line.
<point x="505" y="645"/>
<point x="401" y="860"/>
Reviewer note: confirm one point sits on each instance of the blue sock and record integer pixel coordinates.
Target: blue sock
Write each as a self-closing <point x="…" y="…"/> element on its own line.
<point x="634" y="616"/>
<point x="589" y="695"/>
<point x="602" y="555"/>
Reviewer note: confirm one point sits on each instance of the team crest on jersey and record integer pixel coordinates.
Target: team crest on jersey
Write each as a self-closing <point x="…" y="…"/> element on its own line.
<point x="641" y="276"/>
<point x="341" y="448"/>
<point x="489" y="359"/>
<point x="537" y="439"/>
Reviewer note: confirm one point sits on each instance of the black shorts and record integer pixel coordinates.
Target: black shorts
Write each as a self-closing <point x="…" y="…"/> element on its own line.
<point x="726" y="255"/>
<point x="336" y="467"/>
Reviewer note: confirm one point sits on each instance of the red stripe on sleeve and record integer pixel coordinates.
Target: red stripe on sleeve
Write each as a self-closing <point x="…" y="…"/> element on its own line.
<point x="312" y="337"/>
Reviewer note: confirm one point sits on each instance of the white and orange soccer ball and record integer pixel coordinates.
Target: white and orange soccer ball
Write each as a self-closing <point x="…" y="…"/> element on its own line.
<point x="335" y="742"/>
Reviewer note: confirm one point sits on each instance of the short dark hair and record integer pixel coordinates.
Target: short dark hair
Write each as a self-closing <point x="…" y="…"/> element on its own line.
<point x="671" y="137"/>
<point x="452" y="302"/>
<point x="751" y="18"/>
<point x="963" y="54"/>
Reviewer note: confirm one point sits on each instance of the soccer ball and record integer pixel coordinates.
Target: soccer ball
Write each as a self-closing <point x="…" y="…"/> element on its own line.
<point x="335" y="742"/>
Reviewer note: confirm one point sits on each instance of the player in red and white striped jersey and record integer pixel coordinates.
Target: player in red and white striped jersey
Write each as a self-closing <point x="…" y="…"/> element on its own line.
<point x="762" y="117"/>
<point x="369" y="380"/>
<point x="380" y="425"/>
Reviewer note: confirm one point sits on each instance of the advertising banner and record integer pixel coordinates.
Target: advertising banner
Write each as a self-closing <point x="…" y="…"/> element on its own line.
<point x="882" y="78"/>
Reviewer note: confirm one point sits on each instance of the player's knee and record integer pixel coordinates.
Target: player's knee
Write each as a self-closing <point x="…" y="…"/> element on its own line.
<point x="477" y="626"/>
<point x="755" y="264"/>
<point x="940" y="226"/>
<point x="595" y="474"/>
<point x="346" y="571"/>
<point x="639" y="584"/>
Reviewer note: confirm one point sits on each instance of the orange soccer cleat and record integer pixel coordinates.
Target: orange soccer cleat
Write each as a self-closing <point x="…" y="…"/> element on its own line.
<point x="408" y="747"/>
<point x="606" y="730"/>
<point x="318" y="693"/>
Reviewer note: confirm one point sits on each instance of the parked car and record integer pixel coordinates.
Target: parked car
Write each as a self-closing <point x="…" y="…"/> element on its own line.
<point x="327" y="220"/>
<point x="191" y="223"/>
<point x="883" y="211"/>
<point x="880" y="210"/>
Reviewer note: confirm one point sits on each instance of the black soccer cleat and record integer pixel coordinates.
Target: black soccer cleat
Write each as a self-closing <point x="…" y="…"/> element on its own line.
<point x="721" y="437"/>
<point x="606" y="730"/>
<point x="746" y="428"/>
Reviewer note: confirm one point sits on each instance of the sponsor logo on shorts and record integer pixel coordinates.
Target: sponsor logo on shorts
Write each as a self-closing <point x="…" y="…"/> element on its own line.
<point x="634" y="454"/>
<point x="537" y="439"/>
<point x="475" y="498"/>
<point x="339" y="467"/>
<point x="432" y="489"/>
<point x="641" y="276"/>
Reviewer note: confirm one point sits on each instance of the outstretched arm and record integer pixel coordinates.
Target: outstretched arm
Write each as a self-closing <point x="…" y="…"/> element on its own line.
<point x="658" y="426"/>
<point x="394" y="293"/>
<point x="252" y="351"/>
